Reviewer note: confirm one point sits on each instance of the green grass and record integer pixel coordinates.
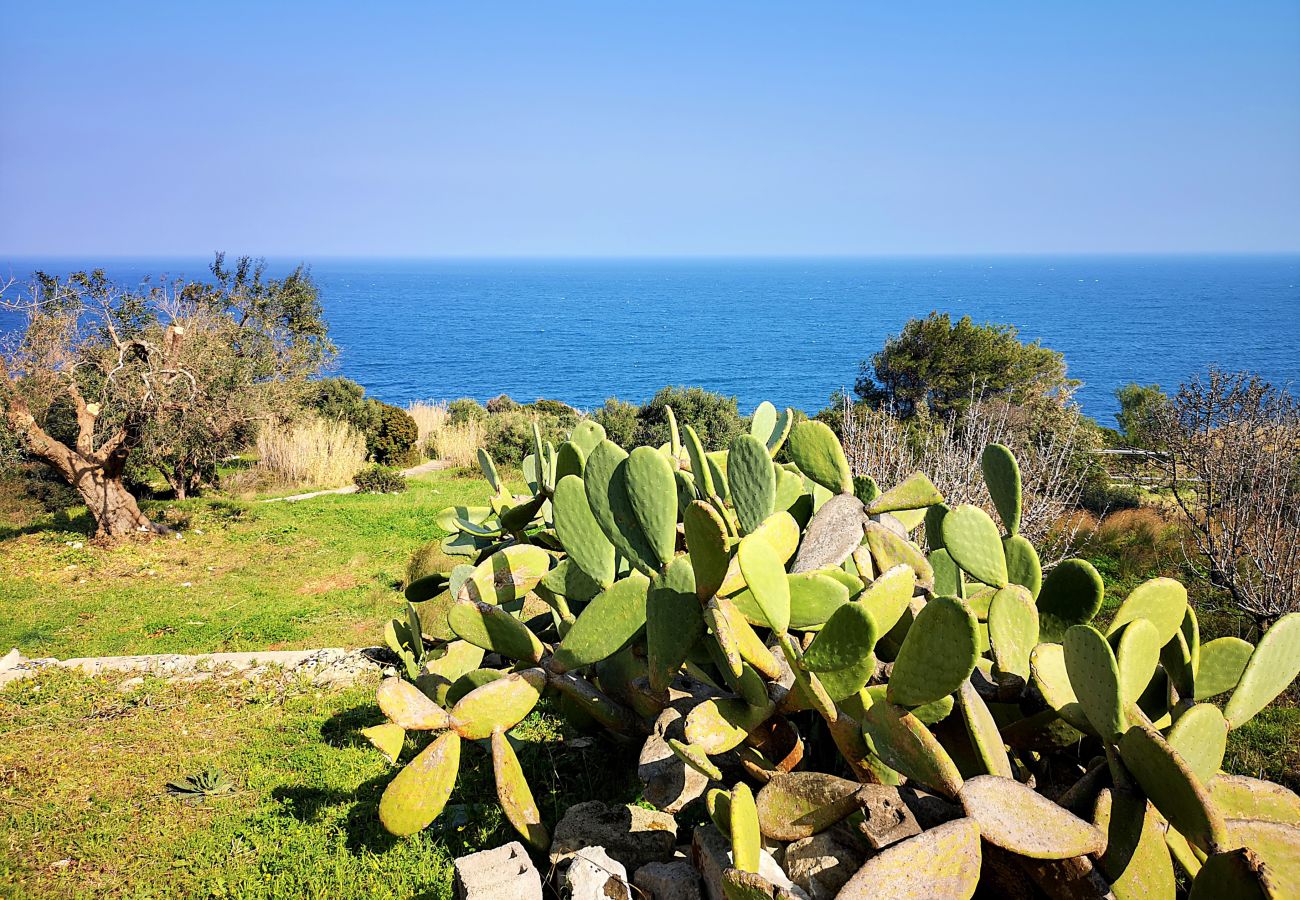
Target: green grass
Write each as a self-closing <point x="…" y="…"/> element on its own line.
<point x="245" y="575"/>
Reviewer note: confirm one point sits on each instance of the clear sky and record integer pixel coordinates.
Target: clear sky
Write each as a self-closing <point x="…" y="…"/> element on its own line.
<point x="666" y="128"/>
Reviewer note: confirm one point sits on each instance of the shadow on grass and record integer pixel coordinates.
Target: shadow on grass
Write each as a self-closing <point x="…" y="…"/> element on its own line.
<point x="58" y="522"/>
<point x="343" y="729"/>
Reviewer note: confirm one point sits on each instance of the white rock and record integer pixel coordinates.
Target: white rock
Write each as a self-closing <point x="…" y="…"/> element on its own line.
<point x="593" y="875"/>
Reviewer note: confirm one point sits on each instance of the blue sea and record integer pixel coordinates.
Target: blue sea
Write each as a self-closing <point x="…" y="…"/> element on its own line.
<point x="791" y="330"/>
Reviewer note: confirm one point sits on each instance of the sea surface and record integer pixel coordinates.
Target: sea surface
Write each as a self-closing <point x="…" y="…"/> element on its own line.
<point x="791" y="330"/>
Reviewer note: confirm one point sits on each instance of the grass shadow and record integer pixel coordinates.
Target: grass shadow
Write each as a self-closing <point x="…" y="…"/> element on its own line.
<point x="57" y="522"/>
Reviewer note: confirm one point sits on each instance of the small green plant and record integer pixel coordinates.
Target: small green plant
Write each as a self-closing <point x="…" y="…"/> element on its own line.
<point x="379" y="479"/>
<point x="201" y="785"/>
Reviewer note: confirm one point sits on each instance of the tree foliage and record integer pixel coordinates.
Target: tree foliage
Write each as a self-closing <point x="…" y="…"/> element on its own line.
<point x="936" y="366"/>
<point x="1140" y="406"/>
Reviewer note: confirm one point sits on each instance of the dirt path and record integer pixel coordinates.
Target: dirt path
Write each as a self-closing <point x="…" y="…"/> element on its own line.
<point x="431" y="466"/>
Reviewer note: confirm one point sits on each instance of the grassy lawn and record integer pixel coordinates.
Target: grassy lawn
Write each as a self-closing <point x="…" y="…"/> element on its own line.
<point x="83" y="766"/>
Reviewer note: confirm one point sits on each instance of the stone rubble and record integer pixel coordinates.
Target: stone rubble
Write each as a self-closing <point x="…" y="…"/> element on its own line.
<point x="593" y="875"/>
<point x="504" y="873"/>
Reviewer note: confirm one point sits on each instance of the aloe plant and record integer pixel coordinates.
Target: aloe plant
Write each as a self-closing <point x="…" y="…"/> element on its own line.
<point x="767" y="601"/>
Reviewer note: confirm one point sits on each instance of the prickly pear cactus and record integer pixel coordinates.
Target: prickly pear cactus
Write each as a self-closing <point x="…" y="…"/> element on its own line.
<point x="954" y="706"/>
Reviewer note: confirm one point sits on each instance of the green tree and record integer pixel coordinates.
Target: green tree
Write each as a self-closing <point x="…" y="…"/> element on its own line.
<point x="715" y="417"/>
<point x="936" y="366"/>
<point x="1139" y="406"/>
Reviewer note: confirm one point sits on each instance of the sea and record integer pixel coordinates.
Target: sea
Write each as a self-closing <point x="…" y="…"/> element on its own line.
<point x="787" y="330"/>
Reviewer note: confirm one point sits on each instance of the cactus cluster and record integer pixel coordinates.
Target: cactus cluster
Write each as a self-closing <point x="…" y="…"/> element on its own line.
<point x="772" y="605"/>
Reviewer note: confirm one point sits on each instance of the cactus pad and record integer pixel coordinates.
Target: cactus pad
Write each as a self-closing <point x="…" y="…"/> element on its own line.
<point x="1163" y="601"/>
<point x="674" y="621"/>
<point x="1094" y="676"/>
<point x="420" y="791"/>
<point x="948" y="581"/>
<point x="983" y="732"/>
<point x="1137" y="650"/>
<point x="1273" y="665"/>
<point x="1018" y="818"/>
<point x="746" y="839"/>
<point x="1239" y="874"/>
<point x="907" y="746"/>
<point x="1002" y="475"/>
<point x="942" y="862"/>
<point x="914" y="492"/>
<point x="498" y="704"/>
<point x="492" y="628"/>
<point x="1221" y="663"/>
<point x="514" y="794"/>
<point x="388" y="738"/>
<point x="765" y="575"/>
<point x="706" y="541"/>
<point x="606" y="625"/>
<point x="404" y="705"/>
<point x="506" y="575"/>
<point x="1136" y="860"/>
<point x="1240" y="797"/>
<point x="972" y="539"/>
<point x="1047" y="668"/>
<point x="817" y="452"/>
<point x="888" y="549"/>
<point x="1023" y="566"/>
<point x="1071" y="595"/>
<point x="1200" y="735"/>
<point x="846" y="640"/>
<point x="716" y="726"/>
<point x="937" y="655"/>
<point x="605" y="480"/>
<point x="796" y="805"/>
<point x="888" y="596"/>
<point x="1171" y="785"/>
<point x="1277" y="845"/>
<point x="752" y="480"/>
<point x="1013" y="629"/>
<point x="575" y="525"/>
<point x="652" y="490"/>
<point x="814" y="598"/>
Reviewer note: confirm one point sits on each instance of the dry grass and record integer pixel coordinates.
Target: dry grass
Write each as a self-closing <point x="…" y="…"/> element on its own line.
<point x="441" y="439"/>
<point x="430" y="417"/>
<point x="313" y="452"/>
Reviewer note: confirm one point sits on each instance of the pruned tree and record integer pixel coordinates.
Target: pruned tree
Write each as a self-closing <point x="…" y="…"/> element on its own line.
<point x="1230" y="459"/>
<point x="96" y="374"/>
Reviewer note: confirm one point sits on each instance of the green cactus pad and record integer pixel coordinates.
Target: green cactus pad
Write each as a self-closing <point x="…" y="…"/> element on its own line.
<point x="586" y="435"/>
<point x="1163" y="601"/>
<point x="796" y="805"/>
<point x="817" y="452"/>
<point x="975" y="544"/>
<point x="1222" y="662"/>
<point x="888" y="596"/>
<point x="907" y="746"/>
<point x="720" y="624"/>
<point x="717" y="803"/>
<point x="1201" y="737"/>
<point x="1240" y="797"/>
<point x="706" y="540"/>
<point x="1176" y="661"/>
<point x="695" y="758"/>
<point x="1136" y="860"/>
<point x="569" y="580"/>
<point x="1137" y="650"/>
<point x="426" y="588"/>
<point x="458" y="657"/>
<point x="569" y="460"/>
<point x="934" y="525"/>
<point x="814" y="598"/>
<point x="753" y="481"/>
<point x="489" y="470"/>
<point x="865" y="488"/>
<point x="1072" y="594"/>
<point x="699" y="464"/>
<point x="1047" y="668"/>
<point x="388" y="738"/>
<point x="652" y="489"/>
<point x="1278" y="847"/>
<point x="1002" y="475"/>
<point x="716" y="726"/>
<point x="781" y="532"/>
<point x="771" y="427"/>
<point x="937" y="655"/>
<point x="519" y="518"/>
<point x="605" y="480"/>
<point x="852" y="583"/>
<point x="948" y="581"/>
<point x="453" y="518"/>
<point x="1273" y="665"/>
<point x="846" y="640"/>
<point x="674" y="621"/>
<point x="941" y="862"/>
<point x="498" y="704"/>
<point x="983" y="732"/>
<point x="1013" y="629"/>
<point x="764" y="573"/>
<point x="576" y="527"/>
<point x="420" y="791"/>
<point x="789" y="491"/>
<point x="746" y="840"/>
<point x="1018" y="818"/>
<point x="494" y="629"/>
<point x="889" y="550"/>
<point x="1094" y="677"/>
<point x="469" y="681"/>
<point x="514" y="794"/>
<point x="914" y="492"/>
<point x="606" y="625"/>
<point x="1239" y="874"/>
<point x="404" y="705"/>
<point x="1171" y="785"/>
<point x="748" y="644"/>
<point x="506" y="575"/>
<point x="1023" y="566"/>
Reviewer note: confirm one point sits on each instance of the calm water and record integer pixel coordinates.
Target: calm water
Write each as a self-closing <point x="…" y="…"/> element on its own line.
<point x="786" y="330"/>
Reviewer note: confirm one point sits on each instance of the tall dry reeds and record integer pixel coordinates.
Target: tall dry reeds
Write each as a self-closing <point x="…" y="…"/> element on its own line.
<point x="313" y="452"/>
<point x="441" y="439"/>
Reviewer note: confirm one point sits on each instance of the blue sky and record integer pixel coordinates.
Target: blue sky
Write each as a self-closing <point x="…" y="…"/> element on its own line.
<point x="672" y="128"/>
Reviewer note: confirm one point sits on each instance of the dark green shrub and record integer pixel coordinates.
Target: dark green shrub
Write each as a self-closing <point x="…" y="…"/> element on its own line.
<point x="344" y="400"/>
<point x="392" y="439"/>
<point x="563" y="412"/>
<point x="501" y="403"/>
<point x="510" y="434"/>
<point x="379" y="479"/>
<point x="618" y="418"/>
<point x="466" y="409"/>
<point x="714" y="417"/>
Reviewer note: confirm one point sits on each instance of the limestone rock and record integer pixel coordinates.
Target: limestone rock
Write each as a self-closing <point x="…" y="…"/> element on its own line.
<point x="673" y="880"/>
<point x="630" y="834"/>
<point x="712" y="856"/>
<point x="823" y="863"/>
<point x="496" y="874"/>
<point x="668" y="782"/>
<point x="593" y="875"/>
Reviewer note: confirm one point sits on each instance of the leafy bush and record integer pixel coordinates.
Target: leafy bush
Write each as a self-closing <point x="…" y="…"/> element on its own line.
<point x="501" y="403"/>
<point x="392" y="439"/>
<point x="714" y="417"/>
<point x="379" y="479"/>
<point x="619" y="419"/>
<point x="465" y="410"/>
<point x="510" y="434"/>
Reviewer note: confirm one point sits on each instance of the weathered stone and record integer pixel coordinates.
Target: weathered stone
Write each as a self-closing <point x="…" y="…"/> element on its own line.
<point x="666" y="780"/>
<point x="12" y="660"/>
<point x="495" y="874"/>
<point x="711" y="853"/>
<point x="823" y="863"/>
<point x="630" y="834"/>
<point x="673" y="880"/>
<point x="593" y="875"/>
<point x="887" y="818"/>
